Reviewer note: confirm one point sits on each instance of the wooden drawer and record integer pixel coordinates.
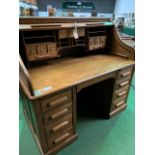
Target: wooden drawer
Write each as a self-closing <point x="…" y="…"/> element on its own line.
<point x="123" y="82"/>
<point x="56" y="100"/>
<point x="81" y="32"/>
<point x="91" y="43"/>
<point x="58" y="126"/>
<point x="117" y="110"/>
<point x="119" y="102"/>
<point x="103" y="41"/>
<point x="52" y="49"/>
<point x="125" y="73"/>
<point x="63" y="34"/>
<point x="31" y="50"/>
<point x="96" y="42"/>
<point x="60" y="138"/>
<point x="58" y="113"/>
<point x="71" y="33"/>
<point x="121" y="92"/>
<point x="41" y="49"/>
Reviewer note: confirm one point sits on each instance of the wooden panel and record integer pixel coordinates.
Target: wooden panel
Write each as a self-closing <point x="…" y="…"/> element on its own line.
<point x="96" y="80"/>
<point x="24" y="78"/>
<point x="39" y="20"/>
<point x="118" y="47"/>
<point x="70" y="71"/>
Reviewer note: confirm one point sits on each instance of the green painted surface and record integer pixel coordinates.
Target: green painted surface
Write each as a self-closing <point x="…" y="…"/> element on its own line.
<point x="108" y="23"/>
<point x="96" y="136"/>
<point x="129" y="31"/>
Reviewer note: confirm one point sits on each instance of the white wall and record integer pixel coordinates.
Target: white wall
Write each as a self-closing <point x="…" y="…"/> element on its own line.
<point x="124" y="6"/>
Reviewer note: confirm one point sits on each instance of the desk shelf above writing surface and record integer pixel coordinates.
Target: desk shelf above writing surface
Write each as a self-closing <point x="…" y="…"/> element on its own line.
<point x="66" y="38"/>
<point x="96" y="38"/>
<point x="42" y="43"/>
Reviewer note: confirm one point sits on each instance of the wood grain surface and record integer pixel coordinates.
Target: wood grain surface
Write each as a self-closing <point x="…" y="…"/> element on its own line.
<point x="70" y="71"/>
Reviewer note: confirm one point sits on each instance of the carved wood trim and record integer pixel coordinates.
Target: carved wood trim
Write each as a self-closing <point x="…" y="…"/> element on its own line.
<point x="118" y="47"/>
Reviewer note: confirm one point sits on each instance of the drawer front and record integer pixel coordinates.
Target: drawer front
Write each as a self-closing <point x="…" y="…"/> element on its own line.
<point x="63" y="34"/>
<point x="97" y="42"/>
<point x="58" y="113"/>
<point x="119" y="102"/>
<point x="52" y="50"/>
<point x="81" y="32"/>
<point x="56" y="100"/>
<point x="91" y="43"/>
<point x="60" y="138"/>
<point x="71" y="33"/>
<point x="125" y="73"/>
<point x="121" y="92"/>
<point x="58" y="126"/>
<point x="31" y="50"/>
<point x="123" y="82"/>
<point x="103" y="41"/>
<point x="41" y="49"/>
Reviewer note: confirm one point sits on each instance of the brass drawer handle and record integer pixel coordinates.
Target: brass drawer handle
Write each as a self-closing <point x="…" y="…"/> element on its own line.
<point x="58" y="101"/>
<point x="123" y="83"/>
<point x="121" y="93"/>
<point x="119" y="103"/>
<point x="64" y="136"/>
<point x="60" y="126"/>
<point x="125" y="74"/>
<point x="58" y="114"/>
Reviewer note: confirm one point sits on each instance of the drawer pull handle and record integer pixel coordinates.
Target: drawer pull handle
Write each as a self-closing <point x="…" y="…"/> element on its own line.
<point x="60" y="113"/>
<point x="60" y="126"/>
<point x="121" y="93"/>
<point x="125" y="74"/>
<point x="123" y="83"/>
<point x="119" y="103"/>
<point x="61" y="138"/>
<point x="58" y="101"/>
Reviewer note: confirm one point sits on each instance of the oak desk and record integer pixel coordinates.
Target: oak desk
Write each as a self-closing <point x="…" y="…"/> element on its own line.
<point x="55" y="82"/>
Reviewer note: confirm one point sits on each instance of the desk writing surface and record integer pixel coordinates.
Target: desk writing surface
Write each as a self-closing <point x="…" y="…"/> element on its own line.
<point x="70" y="71"/>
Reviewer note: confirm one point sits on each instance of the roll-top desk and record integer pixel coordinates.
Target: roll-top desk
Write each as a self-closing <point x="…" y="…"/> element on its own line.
<point x="66" y="64"/>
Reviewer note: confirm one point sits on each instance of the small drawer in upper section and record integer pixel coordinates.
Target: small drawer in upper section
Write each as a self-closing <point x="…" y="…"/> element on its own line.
<point x="55" y="101"/>
<point x="69" y="33"/>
